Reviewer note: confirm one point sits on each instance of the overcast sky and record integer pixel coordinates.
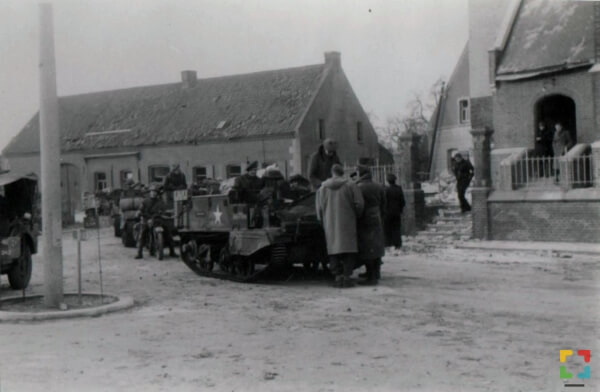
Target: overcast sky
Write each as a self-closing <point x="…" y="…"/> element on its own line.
<point x="390" y="48"/>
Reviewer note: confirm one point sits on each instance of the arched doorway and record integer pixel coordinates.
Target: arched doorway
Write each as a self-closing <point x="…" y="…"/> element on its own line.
<point x="557" y="108"/>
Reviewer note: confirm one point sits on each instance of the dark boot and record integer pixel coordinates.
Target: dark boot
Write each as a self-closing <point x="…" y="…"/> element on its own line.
<point x="347" y="283"/>
<point x="172" y="252"/>
<point x="377" y="269"/>
<point x="139" y="256"/>
<point x="338" y="282"/>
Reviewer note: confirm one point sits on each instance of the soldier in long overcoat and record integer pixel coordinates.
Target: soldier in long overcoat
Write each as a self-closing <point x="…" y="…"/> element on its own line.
<point x="371" y="238"/>
<point x="339" y="203"/>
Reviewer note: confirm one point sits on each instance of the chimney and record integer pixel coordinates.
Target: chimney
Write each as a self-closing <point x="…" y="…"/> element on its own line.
<point x="188" y="79"/>
<point x="333" y="59"/>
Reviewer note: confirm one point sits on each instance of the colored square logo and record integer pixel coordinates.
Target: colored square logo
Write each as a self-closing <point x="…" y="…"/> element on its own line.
<point x="568" y="368"/>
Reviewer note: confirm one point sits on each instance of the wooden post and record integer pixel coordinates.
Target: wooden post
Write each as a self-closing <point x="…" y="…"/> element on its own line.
<point x="50" y="164"/>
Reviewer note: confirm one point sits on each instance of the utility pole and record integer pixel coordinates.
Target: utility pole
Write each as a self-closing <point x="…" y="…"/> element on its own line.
<point x="50" y="163"/>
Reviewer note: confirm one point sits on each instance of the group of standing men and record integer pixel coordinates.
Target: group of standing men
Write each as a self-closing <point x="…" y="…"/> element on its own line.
<point x="360" y="218"/>
<point x="551" y="144"/>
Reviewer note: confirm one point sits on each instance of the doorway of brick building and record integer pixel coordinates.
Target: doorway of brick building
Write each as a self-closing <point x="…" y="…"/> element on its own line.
<point x="556" y="108"/>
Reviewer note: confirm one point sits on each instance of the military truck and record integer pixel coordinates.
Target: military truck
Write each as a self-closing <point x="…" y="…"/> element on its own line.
<point x="18" y="227"/>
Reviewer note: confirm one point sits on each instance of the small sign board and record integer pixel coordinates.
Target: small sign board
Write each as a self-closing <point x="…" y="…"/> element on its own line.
<point x="90" y="222"/>
<point x="180" y="195"/>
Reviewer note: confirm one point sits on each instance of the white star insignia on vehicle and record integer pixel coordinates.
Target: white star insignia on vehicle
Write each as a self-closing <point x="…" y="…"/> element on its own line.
<point x="217" y="213"/>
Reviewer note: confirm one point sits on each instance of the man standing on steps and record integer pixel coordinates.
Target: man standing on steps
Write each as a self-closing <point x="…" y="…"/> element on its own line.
<point x="463" y="171"/>
<point x="339" y="203"/>
<point x="321" y="162"/>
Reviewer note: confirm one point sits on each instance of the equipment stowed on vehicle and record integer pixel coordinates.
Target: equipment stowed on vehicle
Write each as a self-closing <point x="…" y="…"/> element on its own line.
<point x="243" y="242"/>
<point x="18" y="227"/>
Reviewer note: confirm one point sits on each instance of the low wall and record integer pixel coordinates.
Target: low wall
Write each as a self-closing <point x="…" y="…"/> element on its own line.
<point x="572" y="216"/>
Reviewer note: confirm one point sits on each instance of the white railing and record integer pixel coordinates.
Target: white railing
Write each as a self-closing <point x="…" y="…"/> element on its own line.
<point x="378" y="172"/>
<point x="572" y="170"/>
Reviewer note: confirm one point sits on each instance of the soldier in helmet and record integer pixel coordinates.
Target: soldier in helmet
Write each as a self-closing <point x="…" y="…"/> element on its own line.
<point x="152" y="206"/>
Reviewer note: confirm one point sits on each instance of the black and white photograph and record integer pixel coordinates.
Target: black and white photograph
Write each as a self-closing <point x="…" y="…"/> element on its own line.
<point x="299" y="195"/>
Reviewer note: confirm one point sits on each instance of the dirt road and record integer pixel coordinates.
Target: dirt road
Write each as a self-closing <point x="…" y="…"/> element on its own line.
<point x="445" y="320"/>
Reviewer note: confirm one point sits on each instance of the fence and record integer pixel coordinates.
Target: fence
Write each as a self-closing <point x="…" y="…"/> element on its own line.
<point x="546" y="172"/>
<point x="378" y="172"/>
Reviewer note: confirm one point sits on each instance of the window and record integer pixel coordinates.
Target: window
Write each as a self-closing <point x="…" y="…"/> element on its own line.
<point x="199" y="174"/>
<point x="359" y="132"/>
<point x="234" y="171"/>
<point x="100" y="182"/>
<point x="321" y="129"/>
<point x="123" y="176"/>
<point x="157" y="173"/>
<point x="464" y="113"/>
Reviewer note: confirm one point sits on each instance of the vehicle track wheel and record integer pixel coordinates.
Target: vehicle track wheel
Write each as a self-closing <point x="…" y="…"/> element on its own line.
<point x="244" y="267"/>
<point x="225" y="260"/>
<point x="206" y="262"/>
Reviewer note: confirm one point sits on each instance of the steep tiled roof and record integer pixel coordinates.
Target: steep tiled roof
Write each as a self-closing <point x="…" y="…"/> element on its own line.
<point x="549" y="36"/>
<point x="256" y="104"/>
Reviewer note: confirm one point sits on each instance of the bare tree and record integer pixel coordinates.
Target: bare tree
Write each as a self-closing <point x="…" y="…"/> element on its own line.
<point x="416" y="119"/>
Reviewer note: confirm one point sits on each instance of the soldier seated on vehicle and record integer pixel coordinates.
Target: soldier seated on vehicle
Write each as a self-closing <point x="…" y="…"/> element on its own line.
<point x="299" y="187"/>
<point x="275" y="188"/>
<point x="174" y="181"/>
<point x="247" y="187"/>
<point x="153" y="206"/>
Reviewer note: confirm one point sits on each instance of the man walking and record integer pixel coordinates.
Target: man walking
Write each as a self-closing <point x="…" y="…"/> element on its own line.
<point x="370" y="225"/>
<point x="463" y="171"/>
<point x="393" y="212"/>
<point x="339" y="203"/>
<point x="321" y="163"/>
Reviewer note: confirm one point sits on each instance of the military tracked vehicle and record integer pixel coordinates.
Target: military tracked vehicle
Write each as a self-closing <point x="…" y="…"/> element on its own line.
<point x="244" y="242"/>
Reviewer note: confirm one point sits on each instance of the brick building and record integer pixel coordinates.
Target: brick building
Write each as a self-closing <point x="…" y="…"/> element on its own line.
<point x="212" y="127"/>
<point x="532" y="61"/>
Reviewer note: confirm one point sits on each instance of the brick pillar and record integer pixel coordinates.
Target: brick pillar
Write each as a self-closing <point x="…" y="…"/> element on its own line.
<point x="480" y="187"/>
<point x="596" y="163"/>
<point x="414" y="211"/>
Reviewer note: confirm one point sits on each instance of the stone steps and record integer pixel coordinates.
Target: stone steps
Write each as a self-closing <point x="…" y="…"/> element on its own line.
<point x="449" y="226"/>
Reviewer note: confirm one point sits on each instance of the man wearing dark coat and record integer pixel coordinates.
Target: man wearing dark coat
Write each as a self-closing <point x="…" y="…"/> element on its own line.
<point x="321" y="162"/>
<point x="339" y="203"/>
<point x="393" y="213"/>
<point x="463" y="171"/>
<point x="175" y="180"/>
<point x="371" y="246"/>
<point x="543" y="148"/>
<point x="152" y="206"/>
<point x="248" y="186"/>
